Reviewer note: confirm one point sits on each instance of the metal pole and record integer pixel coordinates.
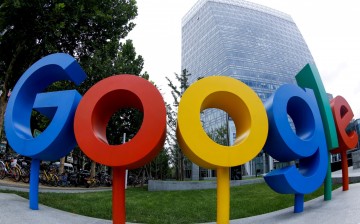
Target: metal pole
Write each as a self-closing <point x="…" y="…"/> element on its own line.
<point x="126" y="172"/>
<point x="34" y="184"/>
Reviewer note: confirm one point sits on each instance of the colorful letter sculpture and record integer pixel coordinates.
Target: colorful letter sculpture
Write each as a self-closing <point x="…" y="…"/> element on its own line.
<point x="91" y="118"/>
<point x="249" y="115"/>
<point x="308" y="144"/>
<point x="343" y="114"/>
<point x="58" y="139"/>
<point x="309" y="77"/>
<point x="307" y="137"/>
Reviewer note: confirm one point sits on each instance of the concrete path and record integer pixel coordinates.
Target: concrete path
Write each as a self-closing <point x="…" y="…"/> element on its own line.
<point x="354" y="176"/>
<point x="15" y="209"/>
<point x="344" y="208"/>
<point x="352" y="173"/>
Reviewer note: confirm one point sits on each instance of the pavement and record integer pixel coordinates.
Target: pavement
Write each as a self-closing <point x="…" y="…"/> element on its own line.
<point x="343" y="208"/>
<point x="15" y="209"/>
<point x="7" y="184"/>
<point x="354" y="176"/>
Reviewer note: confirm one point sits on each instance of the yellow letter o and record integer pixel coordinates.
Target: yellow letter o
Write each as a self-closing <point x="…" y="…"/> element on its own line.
<point x="244" y="107"/>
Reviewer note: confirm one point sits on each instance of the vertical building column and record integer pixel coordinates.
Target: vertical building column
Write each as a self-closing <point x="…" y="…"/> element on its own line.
<point x="264" y="162"/>
<point x="271" y="163"/>
<point x="194" y="172"/>
<point x="247" y="168"/>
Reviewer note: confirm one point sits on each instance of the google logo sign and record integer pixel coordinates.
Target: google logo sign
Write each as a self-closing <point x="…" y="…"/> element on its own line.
<point x="75" y="119"/>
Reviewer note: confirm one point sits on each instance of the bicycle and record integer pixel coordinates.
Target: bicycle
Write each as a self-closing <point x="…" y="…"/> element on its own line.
<point x="104" y="178"/>
<point x="49" y="177"/>
<point x="64" y="179"/>
<point x="92" y="182"/>
<point x="24" y="166"/>
<point x="8" y="168"/>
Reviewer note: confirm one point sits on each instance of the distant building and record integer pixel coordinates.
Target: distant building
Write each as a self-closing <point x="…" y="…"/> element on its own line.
<point x="355" y="126"/>
<point x="258" y="45"/>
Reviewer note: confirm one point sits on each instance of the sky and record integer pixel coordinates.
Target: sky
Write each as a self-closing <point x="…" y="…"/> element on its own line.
<point x="331" y="30"/>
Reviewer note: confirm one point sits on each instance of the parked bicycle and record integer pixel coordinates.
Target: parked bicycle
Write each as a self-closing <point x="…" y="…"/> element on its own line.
<point x="23" y="164"/>
<point x="48" y="175"/>
<point x="92" y="182"/>
<point x="8" y="168"/>
<point x="105" y="179"/>
<point x="18" y="168"/>
<point x="64" y="180"/>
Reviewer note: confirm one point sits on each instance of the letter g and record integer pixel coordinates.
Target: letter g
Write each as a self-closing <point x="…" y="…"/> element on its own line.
<point x="58" y="138"/>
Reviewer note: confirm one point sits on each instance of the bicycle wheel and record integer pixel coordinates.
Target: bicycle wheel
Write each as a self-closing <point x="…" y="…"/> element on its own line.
<point x="62" y="180"/>
<point x="42" y="178"/>
<point x="2" y="171"/>
<point x="88" y="182"/>
<point x="25" y="175"/>
<point x="15" y="174"/>
<point x="54" y="180"/>
<point x="97" y="183"/>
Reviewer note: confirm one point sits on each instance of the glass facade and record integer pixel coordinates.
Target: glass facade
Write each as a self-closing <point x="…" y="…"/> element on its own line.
<point x="260" y="46"/>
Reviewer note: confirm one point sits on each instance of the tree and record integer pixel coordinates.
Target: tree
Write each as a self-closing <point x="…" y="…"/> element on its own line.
<point x="157" y="169"/>
<point x="219" y="135"/>
<point x="160" y="166"/>
<point x="30" y="30"/>
<point x="177" y="157"/>
<point x="104" y="64"/>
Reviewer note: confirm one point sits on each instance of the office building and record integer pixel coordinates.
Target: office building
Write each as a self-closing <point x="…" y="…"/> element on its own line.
<point x="258" y="45"/>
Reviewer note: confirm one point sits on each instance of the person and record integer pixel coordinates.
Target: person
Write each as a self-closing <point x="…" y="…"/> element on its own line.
<point x="257" y="172"/>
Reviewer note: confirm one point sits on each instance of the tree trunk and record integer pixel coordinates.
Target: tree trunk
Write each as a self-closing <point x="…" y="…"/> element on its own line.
<point x="2" y="113"/>
<point x="61" y="167"/>
<point x="92" y="169"/>
<point x="179" y="166"/>
<point x="183" y="166"/>
<point x="5" y="88"/>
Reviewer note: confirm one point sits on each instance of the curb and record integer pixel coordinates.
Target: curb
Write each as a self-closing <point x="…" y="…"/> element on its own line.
<point x="13" y="186"/>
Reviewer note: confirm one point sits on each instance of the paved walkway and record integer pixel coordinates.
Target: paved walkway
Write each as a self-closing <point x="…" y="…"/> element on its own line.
<point x="15" y="209"/>
<point x="7" y="184"/>
<point x="354" y="176"/>
<point x="344" y="208"/>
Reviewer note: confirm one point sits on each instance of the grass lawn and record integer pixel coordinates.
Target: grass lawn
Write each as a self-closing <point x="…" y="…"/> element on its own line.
<point x="173" y="206"/>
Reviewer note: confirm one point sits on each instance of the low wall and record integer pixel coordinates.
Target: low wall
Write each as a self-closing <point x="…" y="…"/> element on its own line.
<point x="335" y="166"/>
<point x="159" y="185"/>
<point x="352" y="180"/>
<point x="356" y="159"/>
